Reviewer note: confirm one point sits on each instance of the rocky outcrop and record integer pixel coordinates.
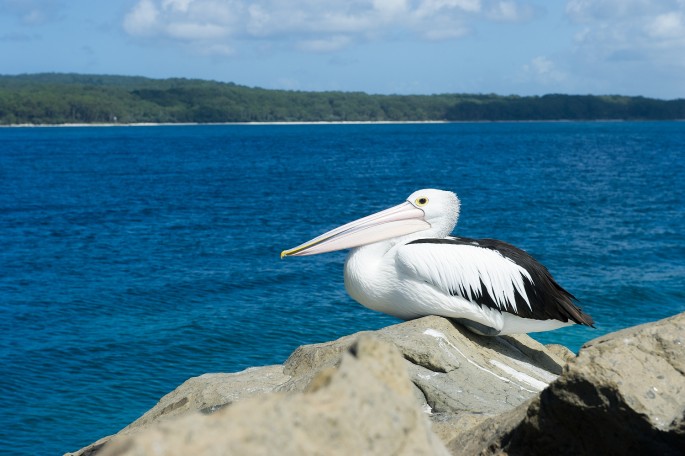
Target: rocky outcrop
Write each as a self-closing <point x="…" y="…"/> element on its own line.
<point x="364" y="406"/>
<point x="623" y="394"/>
<point x="406" y="388"/>
<point x="454" y="371"/>
<point x="204" y="394"/>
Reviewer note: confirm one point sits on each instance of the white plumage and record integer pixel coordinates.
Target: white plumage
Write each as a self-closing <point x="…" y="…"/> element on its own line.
<point x="404" y="263"/>
<point x="465" y="268"/>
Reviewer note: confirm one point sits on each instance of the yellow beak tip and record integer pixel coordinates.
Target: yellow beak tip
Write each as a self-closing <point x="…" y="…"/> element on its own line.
<point x="283" y="254"/>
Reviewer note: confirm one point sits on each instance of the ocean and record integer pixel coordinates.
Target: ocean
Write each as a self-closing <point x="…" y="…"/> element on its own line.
<point x="134" y="258"/>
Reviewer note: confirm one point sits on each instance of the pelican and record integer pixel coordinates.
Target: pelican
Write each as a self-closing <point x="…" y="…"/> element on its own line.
<point x="403" y="262"/>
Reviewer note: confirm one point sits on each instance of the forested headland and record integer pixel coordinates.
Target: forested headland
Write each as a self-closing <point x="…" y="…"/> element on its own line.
<point x="74" y="98"/>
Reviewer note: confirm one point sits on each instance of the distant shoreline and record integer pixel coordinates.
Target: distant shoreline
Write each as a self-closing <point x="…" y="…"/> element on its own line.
<point x="403" y="122"/>
<point x="106" y="100"/>
<point x="179" y="124"/>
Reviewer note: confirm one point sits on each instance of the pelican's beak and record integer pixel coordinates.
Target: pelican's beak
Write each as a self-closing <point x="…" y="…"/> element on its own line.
<point x="400" y="220"/>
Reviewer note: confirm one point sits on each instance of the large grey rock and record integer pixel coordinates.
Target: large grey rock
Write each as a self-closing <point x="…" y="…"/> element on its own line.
<point x="205" y="394"/>
<point x="623" y="394"/>
<point x="210" y="392"/>
<point x="486" y="436"/>
<point x="561" y="352"/>
<point x="365" y="406"/>
<point x="458" y="378"/>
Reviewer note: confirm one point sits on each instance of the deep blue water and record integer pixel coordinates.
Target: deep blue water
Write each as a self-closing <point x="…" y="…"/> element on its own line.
<point x="133" y="258"/>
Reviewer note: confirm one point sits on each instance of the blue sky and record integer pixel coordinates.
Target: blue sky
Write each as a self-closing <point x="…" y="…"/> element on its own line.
<point x="628" y="47"/>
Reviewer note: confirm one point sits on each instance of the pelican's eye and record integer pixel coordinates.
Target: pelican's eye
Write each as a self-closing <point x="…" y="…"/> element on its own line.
<point x="421" y="201"/>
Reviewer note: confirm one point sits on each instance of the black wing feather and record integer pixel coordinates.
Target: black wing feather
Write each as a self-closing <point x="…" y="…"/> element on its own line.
<point x="548" y="300"/>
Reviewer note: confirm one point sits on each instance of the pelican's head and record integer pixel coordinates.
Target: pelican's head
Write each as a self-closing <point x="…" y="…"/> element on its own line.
<point x="440" y="208"/>
<point x="432" y="212"/>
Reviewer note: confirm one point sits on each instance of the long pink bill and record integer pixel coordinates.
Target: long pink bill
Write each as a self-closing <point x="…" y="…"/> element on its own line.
<point x="399" y="220"/>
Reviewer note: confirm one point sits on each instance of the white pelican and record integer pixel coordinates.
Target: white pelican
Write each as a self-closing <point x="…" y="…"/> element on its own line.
<point x="404" y="263"/>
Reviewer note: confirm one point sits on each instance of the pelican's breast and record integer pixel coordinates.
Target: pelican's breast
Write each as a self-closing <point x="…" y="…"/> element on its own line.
<point x="372" y="280"/>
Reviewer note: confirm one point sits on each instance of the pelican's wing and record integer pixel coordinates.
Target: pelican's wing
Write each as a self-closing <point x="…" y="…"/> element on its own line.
<point x="490" y="273"/>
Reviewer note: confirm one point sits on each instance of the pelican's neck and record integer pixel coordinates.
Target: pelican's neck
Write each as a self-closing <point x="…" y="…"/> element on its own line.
<point x="366" y="265"/>
<point x="380" y="249"/>
<point x="439" y="230"/>
<point x="364" y="270"/>
<point x="368" y="256"/>
<point x="365" y="262"/>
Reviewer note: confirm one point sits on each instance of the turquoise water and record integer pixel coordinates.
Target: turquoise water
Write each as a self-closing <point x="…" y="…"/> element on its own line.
<point x="134" y="258"/>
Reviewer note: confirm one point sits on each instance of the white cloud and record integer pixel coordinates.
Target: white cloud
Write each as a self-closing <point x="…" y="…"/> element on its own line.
<point x="667" y="26"/>
<point x="622" y="30"/>
<point x="191" y="22"/>
<point x="390" y="8"/>
<point x="510" y="11"/>
<point x="543" y="71"/>
<point x="142" y="20"/>
<point x="312" y="25"/>
<point x="195" y="31"/>
<point x="431" y="8"/>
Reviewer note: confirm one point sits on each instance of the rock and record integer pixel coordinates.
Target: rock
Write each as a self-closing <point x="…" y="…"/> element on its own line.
<point x="365" y="406"/>
<point x="306" y="361"/>
<point x="455" y="369"/>
<point x="459" y="379"/>
<point x="205" y="394"/>
<point x="92" y="449"/>
<point x="210" y="392"/>
<point x="623" y="394"/>
<point x="561" y="352"/>
<point x="466" y="378"/>
<point x="486" y="436"/>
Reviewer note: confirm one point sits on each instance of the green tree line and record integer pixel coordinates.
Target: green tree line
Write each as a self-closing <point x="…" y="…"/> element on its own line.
<point x="74" y="98"/>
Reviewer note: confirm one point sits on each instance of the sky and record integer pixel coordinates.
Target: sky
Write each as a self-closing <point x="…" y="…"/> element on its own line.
<point x="624" y="47"/>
